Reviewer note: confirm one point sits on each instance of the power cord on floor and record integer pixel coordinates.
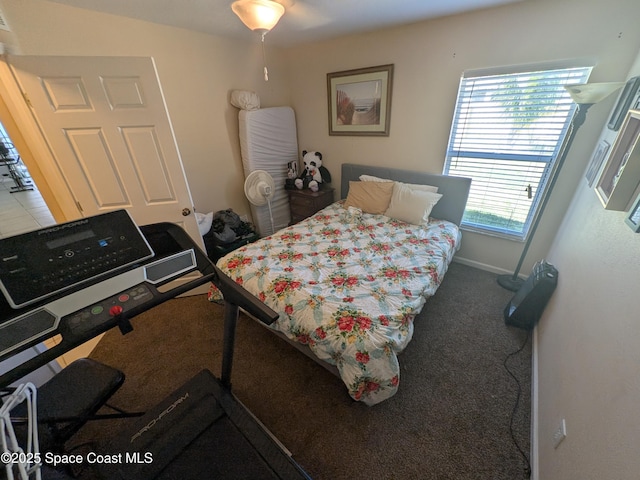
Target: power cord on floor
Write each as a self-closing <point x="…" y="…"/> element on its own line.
<point x="525" y="457"/>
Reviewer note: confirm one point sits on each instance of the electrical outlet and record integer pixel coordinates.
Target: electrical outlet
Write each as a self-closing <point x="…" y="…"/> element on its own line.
<point x="560" y="433"/>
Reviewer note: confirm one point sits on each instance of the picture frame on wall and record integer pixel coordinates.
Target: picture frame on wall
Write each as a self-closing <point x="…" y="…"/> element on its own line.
<point x="617" y="180"/>
<point x="625" y="100"/>
<point x="633" y="216"/>
<point x="596" y="161"/>
<point x="359" y="101"/>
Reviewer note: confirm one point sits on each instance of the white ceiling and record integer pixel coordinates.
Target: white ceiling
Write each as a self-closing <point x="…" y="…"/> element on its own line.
<point x="303" y="21"/>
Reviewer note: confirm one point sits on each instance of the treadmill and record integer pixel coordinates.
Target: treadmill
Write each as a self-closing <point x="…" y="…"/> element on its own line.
<point x="77" y="280"/>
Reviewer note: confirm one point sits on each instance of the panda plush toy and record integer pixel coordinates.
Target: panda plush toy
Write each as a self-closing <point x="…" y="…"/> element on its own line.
<point x="313" y="174"/>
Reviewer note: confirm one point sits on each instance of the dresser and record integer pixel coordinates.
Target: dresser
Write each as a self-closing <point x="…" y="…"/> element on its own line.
<point x="304" y="203"/>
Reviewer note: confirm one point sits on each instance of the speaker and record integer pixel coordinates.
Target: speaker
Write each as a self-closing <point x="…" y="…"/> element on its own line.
<point x="526" y="307"/>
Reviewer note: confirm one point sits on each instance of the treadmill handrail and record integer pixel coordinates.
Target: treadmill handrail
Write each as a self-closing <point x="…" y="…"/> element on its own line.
<point x="209" y="273"/>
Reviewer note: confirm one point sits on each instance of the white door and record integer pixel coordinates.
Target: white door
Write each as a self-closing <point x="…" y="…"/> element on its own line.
<point x="107" y="125"/>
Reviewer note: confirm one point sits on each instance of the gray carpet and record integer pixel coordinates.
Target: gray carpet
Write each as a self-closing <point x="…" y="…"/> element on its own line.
<point x="449" y="420"/>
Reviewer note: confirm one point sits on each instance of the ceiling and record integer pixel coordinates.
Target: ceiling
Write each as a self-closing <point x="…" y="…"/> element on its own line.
<point x="304" y="20"/>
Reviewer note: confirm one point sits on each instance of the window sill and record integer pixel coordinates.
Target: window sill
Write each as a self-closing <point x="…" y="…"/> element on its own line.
<point x="493" y="233"/>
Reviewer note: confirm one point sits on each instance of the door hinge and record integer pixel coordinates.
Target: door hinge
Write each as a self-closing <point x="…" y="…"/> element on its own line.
<point x="79" y="206"/>
<point x="26" y="99"/>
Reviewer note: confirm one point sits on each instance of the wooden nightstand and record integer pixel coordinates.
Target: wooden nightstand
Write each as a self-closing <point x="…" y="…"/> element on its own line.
<point x="304" y="203"/>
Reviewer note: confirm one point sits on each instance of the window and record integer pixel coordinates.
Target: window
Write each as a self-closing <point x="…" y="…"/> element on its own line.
<point x="506" y="134"/>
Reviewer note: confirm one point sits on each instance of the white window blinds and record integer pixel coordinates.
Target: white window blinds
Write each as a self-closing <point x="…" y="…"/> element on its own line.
<point x="506" y="133"/>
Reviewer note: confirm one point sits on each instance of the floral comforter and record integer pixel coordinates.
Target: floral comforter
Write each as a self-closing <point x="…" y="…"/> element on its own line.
<point x="348" y="285"/>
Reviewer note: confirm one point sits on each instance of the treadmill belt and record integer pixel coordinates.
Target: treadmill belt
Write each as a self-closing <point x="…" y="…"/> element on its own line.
<point x="199" y="431"/>
<point x="219" y="452"/>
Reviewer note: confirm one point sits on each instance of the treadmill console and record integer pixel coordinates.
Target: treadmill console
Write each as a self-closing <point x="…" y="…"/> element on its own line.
<point x="42" y="263"/>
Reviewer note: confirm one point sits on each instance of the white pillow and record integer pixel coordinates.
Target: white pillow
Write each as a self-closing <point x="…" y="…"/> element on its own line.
<point x="245" y="100"/>
<point x="371" y="178"/>
<point x="413" y="186"/>
<point x="410" y="205"/>
<point x="422" y="188"/>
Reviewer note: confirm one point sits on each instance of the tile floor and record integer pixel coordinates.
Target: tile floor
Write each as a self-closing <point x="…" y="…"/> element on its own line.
<point x="21" y="211"/>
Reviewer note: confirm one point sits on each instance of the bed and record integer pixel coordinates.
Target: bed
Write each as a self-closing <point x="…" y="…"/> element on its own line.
<point x="347" y="283"/>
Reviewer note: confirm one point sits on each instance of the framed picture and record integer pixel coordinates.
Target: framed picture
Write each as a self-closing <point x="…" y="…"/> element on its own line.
<point x="618" y="178"/>
<point x="633" y="216"/>
<point x="360" y="101"/>
<point x="626" y="98"/>
<point x="596" y="161"/>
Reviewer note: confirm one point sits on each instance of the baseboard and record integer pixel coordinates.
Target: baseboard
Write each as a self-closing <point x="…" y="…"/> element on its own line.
<point x="484" y="266"/>
<point x="535" y="437"/>
<point x="81" y="351"/>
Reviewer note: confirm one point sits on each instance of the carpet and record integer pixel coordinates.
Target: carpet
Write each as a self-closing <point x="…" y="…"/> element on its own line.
<point x="451" y="418"/>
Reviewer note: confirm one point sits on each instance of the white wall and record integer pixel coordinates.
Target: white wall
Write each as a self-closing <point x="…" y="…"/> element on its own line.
<point x="429" y="58"/>
<point x="589" y="345"/>
<point x="197" y="73"/>
<point x="589" y="336"/>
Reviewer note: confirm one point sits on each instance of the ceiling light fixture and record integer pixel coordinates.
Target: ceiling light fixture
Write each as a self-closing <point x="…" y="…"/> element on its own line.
<point x="259" y="16"/>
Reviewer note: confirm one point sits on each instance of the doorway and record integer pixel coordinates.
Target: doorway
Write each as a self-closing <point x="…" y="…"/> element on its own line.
<point x="108" y="132"/>
<point x="22" y="207"/>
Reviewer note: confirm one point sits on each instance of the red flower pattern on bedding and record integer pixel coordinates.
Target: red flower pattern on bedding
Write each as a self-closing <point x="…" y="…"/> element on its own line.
<point x="349" y="288"/>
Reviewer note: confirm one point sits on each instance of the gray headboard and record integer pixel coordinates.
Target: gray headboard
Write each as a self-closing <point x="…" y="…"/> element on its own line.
<point x="454" y="190"/>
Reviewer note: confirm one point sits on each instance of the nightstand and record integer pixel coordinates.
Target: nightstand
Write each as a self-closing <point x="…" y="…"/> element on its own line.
<point x="304" y="203"/>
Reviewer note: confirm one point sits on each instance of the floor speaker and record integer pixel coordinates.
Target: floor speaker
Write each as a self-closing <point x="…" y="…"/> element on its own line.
<point x="526" y="307"/>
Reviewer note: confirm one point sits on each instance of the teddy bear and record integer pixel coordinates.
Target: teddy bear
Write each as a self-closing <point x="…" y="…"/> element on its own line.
<point x="313" y="174"/>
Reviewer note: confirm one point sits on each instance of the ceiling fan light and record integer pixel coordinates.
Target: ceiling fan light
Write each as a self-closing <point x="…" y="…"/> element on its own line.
<point x="258" y="15"/>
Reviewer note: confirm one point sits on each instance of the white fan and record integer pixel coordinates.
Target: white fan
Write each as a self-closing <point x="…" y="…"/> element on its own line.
<point x="259" y="188"/>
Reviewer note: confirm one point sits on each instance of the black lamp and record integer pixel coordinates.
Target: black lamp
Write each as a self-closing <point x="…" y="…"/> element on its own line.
<point x="584" y="95"/>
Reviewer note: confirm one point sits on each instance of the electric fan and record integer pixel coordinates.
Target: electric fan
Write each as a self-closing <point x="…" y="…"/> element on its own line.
<point x="259" y="188"/>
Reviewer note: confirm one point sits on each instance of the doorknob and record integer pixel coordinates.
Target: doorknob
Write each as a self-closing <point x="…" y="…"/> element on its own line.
<point x="186" y="212"/>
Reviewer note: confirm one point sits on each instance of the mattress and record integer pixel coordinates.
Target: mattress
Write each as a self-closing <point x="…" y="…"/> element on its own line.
<point x="268" y="141"/>
<point x="348" y="286"/>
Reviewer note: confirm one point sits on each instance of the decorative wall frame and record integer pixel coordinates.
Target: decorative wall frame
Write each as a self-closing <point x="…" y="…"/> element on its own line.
<point x="620" y="176"/>
<point x="596" y="161"/>
<point x="624" y="103"/>
<point x="360" y="101"/>
<point x="633" y="216"/>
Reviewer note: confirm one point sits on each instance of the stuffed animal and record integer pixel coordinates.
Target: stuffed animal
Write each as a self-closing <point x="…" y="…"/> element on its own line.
<point x="292" y="175"/>
<point x="313" y="173"/>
